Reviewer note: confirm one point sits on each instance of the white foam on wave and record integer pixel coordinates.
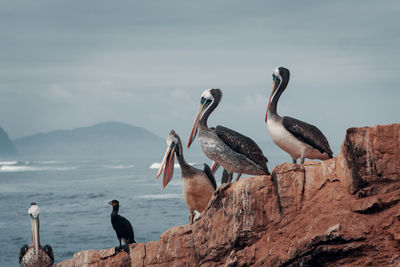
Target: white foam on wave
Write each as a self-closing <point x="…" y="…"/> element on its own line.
<point x="49" y="161"/>
<point x="119" y="166"/>
<point x="8" y="162"/>
<point x="157" y="165"/>
<point x="8" y="168"/>
<point x="161" y="196"/>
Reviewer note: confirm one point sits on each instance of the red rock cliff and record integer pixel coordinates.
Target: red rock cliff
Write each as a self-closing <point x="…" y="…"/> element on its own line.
<point x="340" y="212"/>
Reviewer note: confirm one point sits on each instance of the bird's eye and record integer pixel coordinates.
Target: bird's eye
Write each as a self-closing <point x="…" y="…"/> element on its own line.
<point x="202" y="100"/>
<point x="274" y="77"/>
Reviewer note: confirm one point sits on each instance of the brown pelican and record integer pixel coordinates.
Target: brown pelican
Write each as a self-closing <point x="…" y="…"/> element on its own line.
<point x="299" y="139"/>
<point x="230" y="149"/>
<point x="35" y="254"/>
<point x="198" y="185"/>
<point x="122" y="227"/>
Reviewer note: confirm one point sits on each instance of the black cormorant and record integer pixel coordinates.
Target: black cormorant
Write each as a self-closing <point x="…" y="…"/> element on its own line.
<point x="122" y="227"/>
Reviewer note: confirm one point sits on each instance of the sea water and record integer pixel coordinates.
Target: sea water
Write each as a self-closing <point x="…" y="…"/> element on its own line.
<point x="72" y="196"/>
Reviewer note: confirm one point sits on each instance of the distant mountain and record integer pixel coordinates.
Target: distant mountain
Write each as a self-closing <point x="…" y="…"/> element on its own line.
<point x="7" y="147"/>
<point x="108" y="139"/>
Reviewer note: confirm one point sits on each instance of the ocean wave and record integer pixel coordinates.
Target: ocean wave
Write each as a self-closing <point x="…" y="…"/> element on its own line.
<point x="8" y="168"/>
<point x="157" y="165"/>
<point x="49" y="161"/>
<point x="8" y="162"/>
<point x="161" y="196"/>
<point x="119" y="166"/>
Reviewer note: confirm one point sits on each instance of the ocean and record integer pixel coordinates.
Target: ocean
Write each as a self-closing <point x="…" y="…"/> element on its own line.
<point x="72" y="196"/>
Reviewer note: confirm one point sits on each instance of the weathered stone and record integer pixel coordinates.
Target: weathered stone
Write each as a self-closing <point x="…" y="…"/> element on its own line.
<point x="318" y="173"/>
<point x="290" y="181"/>
<point x="370" y="155"/>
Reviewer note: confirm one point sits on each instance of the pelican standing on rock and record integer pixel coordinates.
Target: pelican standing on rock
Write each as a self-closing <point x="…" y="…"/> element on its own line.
<point x="198" y="185"/>
<point x="35" y="254"/>
<point x="298" y="138"/>
<point x="230" y="149"/>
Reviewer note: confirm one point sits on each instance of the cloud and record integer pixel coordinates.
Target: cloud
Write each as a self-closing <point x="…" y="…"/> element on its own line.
<point x="56" y="92"/>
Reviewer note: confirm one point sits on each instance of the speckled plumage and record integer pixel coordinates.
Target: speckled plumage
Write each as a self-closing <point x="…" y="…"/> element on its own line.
<point x="28" y="256"/>
<point x="230" y="149"/>
<point x="222" y="153"/>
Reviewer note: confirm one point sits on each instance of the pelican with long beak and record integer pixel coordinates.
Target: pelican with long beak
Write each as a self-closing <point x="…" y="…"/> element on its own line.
<point x="35" y="254"/>
<point x="298" y="138"/>
<point x="198" y="185"/>
<point x="235" y="152"/>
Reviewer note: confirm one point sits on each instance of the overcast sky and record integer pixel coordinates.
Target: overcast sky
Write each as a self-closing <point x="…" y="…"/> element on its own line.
<point x="66" y="64"/>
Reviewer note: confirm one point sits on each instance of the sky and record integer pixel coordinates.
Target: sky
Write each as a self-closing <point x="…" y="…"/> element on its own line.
<point x="67" y="64"/>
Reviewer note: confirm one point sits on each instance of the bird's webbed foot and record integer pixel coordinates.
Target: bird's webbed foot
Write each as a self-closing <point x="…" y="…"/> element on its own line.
<point x="302" y="164"/>
<point x="126" y="247"/>
<point x="300" y="167"/>
<point x="117" y="249"/>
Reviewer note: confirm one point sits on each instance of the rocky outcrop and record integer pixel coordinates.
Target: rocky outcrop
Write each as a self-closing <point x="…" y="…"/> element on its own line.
<point x="340" y="212"/>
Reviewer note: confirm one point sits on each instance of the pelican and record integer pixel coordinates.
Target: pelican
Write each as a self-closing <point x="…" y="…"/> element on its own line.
<point x="198" y="185"/>
<point x="35" y="254"/>
<point x="298" y="138"/>
<point x="230" y="149"/>
<point x="123" y="228"/>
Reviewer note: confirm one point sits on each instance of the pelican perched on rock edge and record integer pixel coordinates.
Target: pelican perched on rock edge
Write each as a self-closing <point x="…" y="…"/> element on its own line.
<point x="123" y="228"/>
<point x="230" y="149"/>
<point x="35" y="254"/>
<point x="198" y="185"/>
<point x="298" y="138"/>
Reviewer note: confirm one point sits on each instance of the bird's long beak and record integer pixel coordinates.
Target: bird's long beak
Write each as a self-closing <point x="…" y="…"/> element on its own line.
<point x="195" y="125"/>
<point x="35" y="236"/>
<point x="167" y="165"/>
<point x="270" y="97"/>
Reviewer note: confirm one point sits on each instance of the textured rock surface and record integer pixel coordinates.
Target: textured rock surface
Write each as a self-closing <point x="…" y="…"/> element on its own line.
<point x="341" y="212"/>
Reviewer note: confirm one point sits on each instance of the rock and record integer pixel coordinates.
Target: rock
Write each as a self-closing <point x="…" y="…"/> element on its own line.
<point x="289" y="181"/>
<point x="99" y="258"/>
<point x="339" y="212"/>
<point x="370" y="155"/>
